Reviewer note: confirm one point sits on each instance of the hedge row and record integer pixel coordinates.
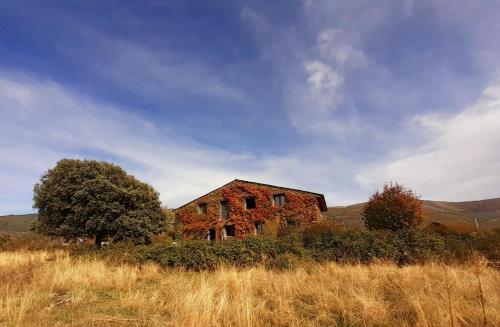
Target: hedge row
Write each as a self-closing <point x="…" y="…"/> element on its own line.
<point x="318" y="244"/>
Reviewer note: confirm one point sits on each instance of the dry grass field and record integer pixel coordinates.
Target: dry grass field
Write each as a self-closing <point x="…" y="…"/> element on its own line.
<point x="53" y="289"/>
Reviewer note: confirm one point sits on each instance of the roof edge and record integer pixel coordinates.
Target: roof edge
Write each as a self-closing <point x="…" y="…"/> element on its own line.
<point x="323" y="205"/>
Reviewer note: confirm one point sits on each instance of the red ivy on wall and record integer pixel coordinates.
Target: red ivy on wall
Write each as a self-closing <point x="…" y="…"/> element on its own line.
<point x="299" y="207"/>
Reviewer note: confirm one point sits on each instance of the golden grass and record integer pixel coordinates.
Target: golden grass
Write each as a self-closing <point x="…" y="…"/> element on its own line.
<point x="52" y="289"/>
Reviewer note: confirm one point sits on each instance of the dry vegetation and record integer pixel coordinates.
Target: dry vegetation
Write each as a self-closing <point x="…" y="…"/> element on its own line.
<point x="487" y="213"/>
<point x="52" y="289"/>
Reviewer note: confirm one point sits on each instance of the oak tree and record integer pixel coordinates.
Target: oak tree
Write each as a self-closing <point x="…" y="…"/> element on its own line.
<point x="88" y="198"/>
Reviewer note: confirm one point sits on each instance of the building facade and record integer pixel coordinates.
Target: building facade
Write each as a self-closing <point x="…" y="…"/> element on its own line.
<point x="242" y="208"/>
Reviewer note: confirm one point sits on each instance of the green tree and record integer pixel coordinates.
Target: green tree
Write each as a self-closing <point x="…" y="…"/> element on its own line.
<point x="395" y="208"/>
<point x="88" y="198"/>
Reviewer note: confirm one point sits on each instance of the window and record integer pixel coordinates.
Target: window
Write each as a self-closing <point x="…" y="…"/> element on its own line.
<point x="259" y="227"/>
<point x="291" y="222"/>
<point x="230" y="231"/>
<point x="202" y="208"/>
<point x="224" y="209"/>
<point x="211" y="234"/>
<point x="250" y="203"/>
<point x="279" y="200"/>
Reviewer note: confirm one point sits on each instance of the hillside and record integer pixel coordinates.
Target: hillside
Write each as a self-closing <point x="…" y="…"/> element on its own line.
<point x="16" y="223"/>
<point x="487" y="212"/>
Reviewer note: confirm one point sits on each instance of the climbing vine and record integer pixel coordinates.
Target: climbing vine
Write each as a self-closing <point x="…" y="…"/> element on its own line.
<point x="300" y="207"/>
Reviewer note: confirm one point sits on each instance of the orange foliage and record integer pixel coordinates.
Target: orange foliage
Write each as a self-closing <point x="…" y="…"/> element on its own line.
<point x="396" y="207"/>
<point x="299" y="207"/>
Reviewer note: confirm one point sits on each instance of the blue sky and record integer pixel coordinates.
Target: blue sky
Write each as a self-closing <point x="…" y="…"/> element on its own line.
<point x="335" y="97"/>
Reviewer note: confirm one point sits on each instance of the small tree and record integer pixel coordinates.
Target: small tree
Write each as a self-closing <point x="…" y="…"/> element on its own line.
<point x="393" y="209"/>
<point x="88" y="198"/>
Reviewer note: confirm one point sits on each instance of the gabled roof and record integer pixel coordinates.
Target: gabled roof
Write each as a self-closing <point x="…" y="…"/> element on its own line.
<point x="321" y="197"/>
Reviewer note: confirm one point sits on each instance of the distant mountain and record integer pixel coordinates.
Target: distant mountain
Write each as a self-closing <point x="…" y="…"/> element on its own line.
<point x="487" y="213"/>
<point x="16" y="223"/>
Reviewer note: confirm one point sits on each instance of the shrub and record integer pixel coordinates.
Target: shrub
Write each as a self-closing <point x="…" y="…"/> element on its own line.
<point x="450" y="229"/>
<point x="352" y="245"/>
<point x="4" y="239"/>
<point x="395" y="208"/>
<point x="322" y="242"/>
<point x="194" y="255"/>
<point x="33" y="242"/>
<point x="488" y="244"/>
<point x="171" y="228"/>
<point x="283" y="262"/>
<point x="357" y="245"/>
<point x="461" y="241"/>
<point x="418" y="246"/>
<point x="313" y="235"/>
<point x="199" y="255"/>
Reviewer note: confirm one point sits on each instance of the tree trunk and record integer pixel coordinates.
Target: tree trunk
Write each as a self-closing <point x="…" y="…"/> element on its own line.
<point x="98" y="240"/>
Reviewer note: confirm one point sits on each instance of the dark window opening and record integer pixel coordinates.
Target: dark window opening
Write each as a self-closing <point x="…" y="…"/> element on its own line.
<point x="250" y="203"/>
<point x="202" y="208"/>
<point x="230" y="231"/>
<point x="259" y="227"/>
<point x="224" y="209"/>
<point x="279" y="200"/>
<point x="292" y="222"/>
<point x="211" y="234"/>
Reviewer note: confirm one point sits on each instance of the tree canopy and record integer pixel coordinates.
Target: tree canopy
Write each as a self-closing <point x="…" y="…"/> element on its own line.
<point x="88" y="198"/>
<point x="395" y="208"/>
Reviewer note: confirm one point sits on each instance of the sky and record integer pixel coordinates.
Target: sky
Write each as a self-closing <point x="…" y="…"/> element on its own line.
<point x="334" y="97"/>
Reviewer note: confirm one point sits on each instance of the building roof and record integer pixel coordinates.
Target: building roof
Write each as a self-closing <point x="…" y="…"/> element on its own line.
<point x="321" y="197"/>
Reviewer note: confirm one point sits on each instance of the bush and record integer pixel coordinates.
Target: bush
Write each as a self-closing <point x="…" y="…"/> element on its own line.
<point x="395" y="208"/>
<point x="196" y="255"/>
<point x="116" y="253"/>
<point x="489" y="244"/>
<point x="357" y="245"/>
<point x="322" y="242"/>
<point x="418" y="246"/>
<point x="201" y="255"/>
<point x="462" y="240"/>
<point x="352" y="245"/>
<point x="33" y="242"/>
<point x="4" y="239"/>
<point x="283" y="262"/>
<point x="314" y="235"/>
<point x="171" y="228"/>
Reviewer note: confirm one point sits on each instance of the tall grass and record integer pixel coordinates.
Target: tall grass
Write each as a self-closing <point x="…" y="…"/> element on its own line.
<point x="53" y="289"/>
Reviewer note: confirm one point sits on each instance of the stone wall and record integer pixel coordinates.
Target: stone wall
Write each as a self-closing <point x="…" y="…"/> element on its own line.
<point x="300" y="208"/>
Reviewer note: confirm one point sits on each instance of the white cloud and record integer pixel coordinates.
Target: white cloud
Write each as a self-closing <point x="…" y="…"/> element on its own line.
<point x="43" y="122"/>
<point x="339" y="46"/>
<point x="317" y="103"/>
<point x="460" y="159"/>
<point x="323" y="84"/>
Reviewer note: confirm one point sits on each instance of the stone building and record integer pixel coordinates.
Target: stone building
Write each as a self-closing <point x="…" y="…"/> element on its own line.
<point x="241" y="208"/>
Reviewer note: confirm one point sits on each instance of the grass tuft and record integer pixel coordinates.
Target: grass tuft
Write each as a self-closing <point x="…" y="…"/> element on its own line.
<point x="44" y="288"/>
